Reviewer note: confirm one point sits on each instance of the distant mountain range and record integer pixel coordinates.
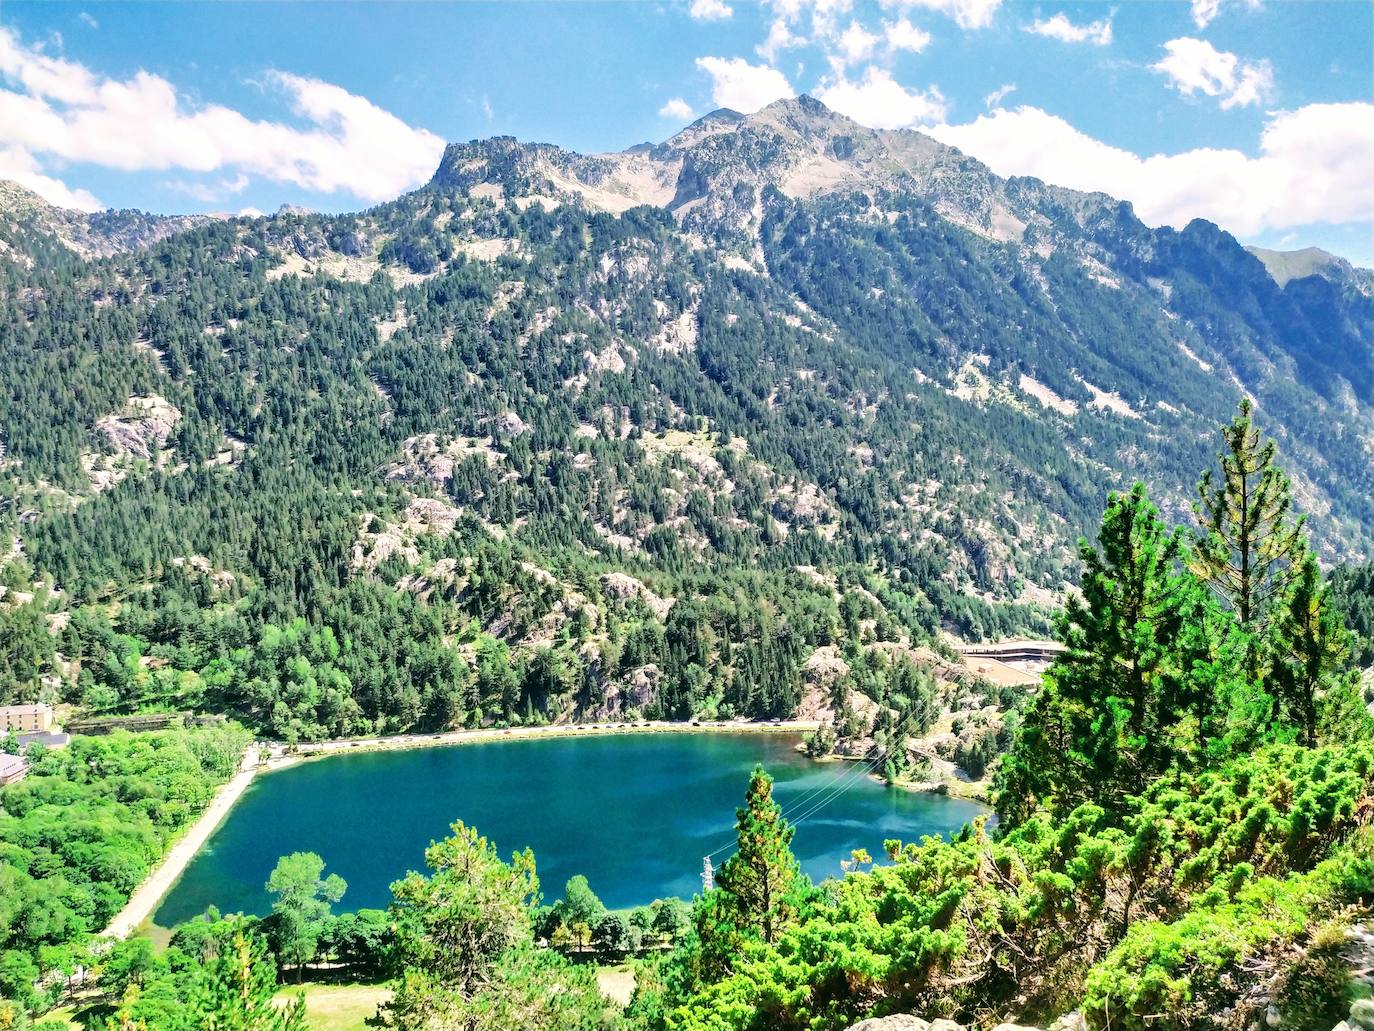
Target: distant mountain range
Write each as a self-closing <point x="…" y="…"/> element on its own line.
<point x="779" y="346"/>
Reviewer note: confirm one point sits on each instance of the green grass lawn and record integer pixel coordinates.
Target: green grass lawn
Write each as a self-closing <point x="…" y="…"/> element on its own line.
<point x="337" y="1007"/>
<point x="66" y="1016"/>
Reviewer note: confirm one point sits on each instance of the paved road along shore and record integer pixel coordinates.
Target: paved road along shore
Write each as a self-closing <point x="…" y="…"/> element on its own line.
<point x="144" y="901"/>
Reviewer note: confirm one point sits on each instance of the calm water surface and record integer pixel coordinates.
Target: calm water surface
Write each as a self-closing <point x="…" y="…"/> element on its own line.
<point x="634" y="812"/>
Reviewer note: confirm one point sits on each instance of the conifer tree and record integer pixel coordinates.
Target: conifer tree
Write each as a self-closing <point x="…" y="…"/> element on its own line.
<point x="453" y="927"/>
<point x="1249" y="549"/>
<point x="1105" y="723"/>
<point x="1306" y="649"/>
<point x="236" y="988"/>
<point x="759" y="882"/>
<point x="465" y="941"/>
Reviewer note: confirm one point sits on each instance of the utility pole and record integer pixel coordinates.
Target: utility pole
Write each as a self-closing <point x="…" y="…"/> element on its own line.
<point x="708" y="875"/>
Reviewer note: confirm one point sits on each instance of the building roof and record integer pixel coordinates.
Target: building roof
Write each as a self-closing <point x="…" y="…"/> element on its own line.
<point x="47" y="738"/>
<point x="29" y="710"/>
<point x="12" y="764"/>
<point x="1000" y="673"/>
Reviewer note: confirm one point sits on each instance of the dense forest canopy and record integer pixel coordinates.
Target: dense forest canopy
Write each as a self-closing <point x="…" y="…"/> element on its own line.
<point x="506" y="450"/>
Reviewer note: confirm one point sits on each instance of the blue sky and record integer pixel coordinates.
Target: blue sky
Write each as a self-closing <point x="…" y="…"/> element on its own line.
<point x="1254" y="113"/>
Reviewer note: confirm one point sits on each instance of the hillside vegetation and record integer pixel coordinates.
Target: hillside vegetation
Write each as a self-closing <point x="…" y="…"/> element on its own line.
<point x="1184" y="842"/>
<point x="628" y="435"/>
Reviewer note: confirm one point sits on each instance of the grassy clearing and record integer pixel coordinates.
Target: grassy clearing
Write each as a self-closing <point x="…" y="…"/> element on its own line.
<point x="337" y="1007"/>
<point x="64" y="1017"/>
<point x="617" y="982"/>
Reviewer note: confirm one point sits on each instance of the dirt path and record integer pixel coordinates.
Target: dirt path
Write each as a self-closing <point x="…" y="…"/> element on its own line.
<point x="143" y="903"/>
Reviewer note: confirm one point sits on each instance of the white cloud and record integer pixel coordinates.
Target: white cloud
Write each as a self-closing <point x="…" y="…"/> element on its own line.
<point x="854" y="44"/>
<point x="710" y="10"/>
<point x="1206" y="10"/>
<point x="1254" y="85"/>
<point x="881" y="102"/>
<point x="677" y="109"/>
<point x="824" y="16"/>
<point x="967" y="14"/>
<point x="58" y="109"/>
<point x="1312" y="167"/>
<point x="209" y="192"/>
<point x="995" y="98"/>
<point x="1098" y="33"/>
<point x="18" y="165"/>
<point x="902" y="35"/>
<point x="744" y="87"/>
<point x="88" y="20"/>
<point x="780" y="38"/>
<point x="1194" y="65"/>
<point x="843" y="45"/>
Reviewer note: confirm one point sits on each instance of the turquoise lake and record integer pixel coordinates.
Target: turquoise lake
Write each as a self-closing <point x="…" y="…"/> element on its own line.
<point x="634" y="812"/>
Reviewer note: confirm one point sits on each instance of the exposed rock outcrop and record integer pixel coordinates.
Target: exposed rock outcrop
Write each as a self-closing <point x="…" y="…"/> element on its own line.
<point x="907" y="1022"/>
<point x="143" y="428"/>
<point x="624" y="587"/>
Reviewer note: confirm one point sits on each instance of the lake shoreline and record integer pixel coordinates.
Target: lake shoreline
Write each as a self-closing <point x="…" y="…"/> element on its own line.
<point x="268" y="757"/>
<point x="282" y="758"/>
<point x="148" y="896"/>
<point x="163" y="878"/>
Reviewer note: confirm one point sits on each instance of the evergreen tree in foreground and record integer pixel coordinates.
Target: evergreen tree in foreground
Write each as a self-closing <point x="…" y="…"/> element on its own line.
<point x="237" y="988"/>
<point x="1306" y="652"/>
<point x="232" y="989"/>
<point x="1106" y="721"/>
<point x="465" y="940"/>
<point x="1162" y="674"/>
<point x="1257" y="559"/>
<point x="1249" y="549"/>
<point x="758" y="883"/>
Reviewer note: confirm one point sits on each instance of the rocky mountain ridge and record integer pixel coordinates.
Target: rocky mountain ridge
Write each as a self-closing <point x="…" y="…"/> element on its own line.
<point x="26" y="220"/>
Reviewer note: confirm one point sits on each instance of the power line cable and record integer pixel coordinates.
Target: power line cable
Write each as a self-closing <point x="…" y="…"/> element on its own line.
<point x="841" y="785"/>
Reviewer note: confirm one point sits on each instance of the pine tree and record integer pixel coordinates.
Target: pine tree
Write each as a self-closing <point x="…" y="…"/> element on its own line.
<point x="464" y="940"/>
<point x="300" y="911"/>
<point x="1108" y="718"/>
<point x="1306" y="649"/>
<point x="236" y="988"/>
<point x="758" y="883"/>
<point x="1249" y="549"/>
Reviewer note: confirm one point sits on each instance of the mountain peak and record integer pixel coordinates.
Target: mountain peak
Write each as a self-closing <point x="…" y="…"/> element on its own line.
<point x="802" y="105"/>
<point x="1285" y="266"/>
<point x="722" y="119"/>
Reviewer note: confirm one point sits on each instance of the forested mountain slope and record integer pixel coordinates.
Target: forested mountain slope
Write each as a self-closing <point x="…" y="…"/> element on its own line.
<point x="632" y="433"/>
